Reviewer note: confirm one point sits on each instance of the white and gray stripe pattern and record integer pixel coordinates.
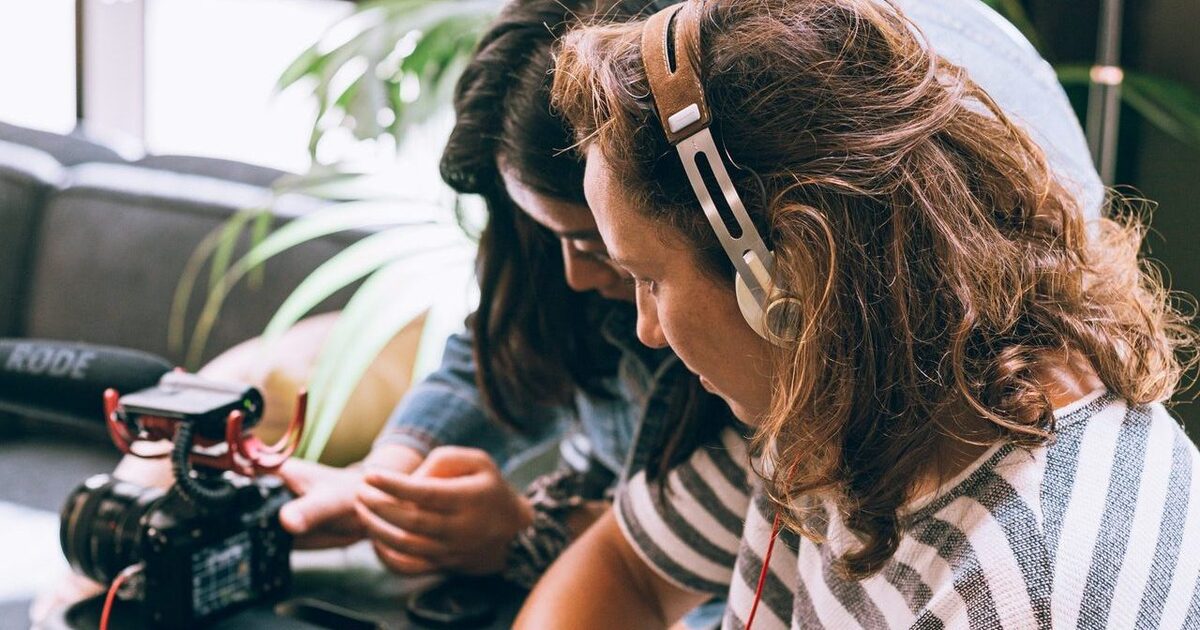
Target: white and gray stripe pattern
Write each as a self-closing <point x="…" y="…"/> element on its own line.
<point x="1087" y="532"/>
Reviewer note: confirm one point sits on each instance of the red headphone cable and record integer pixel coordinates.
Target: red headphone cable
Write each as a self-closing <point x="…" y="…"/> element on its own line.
<point x="762" y="576"/>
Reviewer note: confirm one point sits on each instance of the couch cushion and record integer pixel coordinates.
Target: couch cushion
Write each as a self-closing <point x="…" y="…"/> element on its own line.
<point x="114" y="243"/>
<point x="214" y="167"/>
<point x="70" y="149"/>
<point x="26" y="178"/>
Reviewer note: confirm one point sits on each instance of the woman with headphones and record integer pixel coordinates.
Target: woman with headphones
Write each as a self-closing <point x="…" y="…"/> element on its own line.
<point x="949" y="384"/>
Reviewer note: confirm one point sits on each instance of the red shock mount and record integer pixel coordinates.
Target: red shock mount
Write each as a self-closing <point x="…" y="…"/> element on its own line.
<point x="244" y="453"/>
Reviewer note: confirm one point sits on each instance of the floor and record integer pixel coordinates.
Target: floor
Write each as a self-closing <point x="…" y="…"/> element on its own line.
<point x="38" y="469"/>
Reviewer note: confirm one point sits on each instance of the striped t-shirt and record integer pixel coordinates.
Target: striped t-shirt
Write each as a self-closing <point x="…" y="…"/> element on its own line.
<point x="1087" y="532"/>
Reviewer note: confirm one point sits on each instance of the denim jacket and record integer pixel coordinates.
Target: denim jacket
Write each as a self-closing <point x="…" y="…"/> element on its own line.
<point x="447" y="407"/>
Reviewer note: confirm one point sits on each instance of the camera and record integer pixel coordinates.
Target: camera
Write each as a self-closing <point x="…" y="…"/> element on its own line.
<point x="209" y="545"/>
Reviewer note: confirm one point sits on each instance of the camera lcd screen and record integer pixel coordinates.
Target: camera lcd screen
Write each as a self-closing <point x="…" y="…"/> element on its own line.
<point x="221" y="574"/>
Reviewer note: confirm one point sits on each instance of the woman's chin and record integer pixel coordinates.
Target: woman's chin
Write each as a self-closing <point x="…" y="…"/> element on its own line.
<point x="743" y="415"/>
<point x="739" y="411"/>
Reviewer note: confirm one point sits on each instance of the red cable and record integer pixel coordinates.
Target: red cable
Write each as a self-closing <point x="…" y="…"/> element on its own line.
<point x="762" y="576"/>
<point x="108" y="601"/>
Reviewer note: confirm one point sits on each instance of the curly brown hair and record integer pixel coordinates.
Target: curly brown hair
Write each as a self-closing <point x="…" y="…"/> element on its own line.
<point x="939" y="262"/>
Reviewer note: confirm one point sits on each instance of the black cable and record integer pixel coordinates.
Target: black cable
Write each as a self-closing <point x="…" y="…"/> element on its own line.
<point x="191" y="488"/>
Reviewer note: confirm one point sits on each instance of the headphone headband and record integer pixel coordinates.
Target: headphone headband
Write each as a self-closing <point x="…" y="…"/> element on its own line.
<point x="671" y="70"/>
<point x="671" y="54"/>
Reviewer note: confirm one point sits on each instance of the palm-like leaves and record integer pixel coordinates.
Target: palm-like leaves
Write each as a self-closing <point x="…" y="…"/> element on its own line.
<point x="1166" y="104"/>
<point x="389" y="65"/>
<point x="415" y="259"/>
<point x="385" y="69"/>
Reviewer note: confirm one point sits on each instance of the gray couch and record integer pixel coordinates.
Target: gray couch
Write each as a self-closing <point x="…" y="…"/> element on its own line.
<point x="92" y="246"/>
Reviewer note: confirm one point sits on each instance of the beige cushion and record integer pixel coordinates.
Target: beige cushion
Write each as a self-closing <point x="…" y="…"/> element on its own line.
<point x="289" y="367"/>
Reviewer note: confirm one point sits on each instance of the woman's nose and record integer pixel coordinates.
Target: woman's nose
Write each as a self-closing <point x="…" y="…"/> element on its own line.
<point x="649" y="331"/>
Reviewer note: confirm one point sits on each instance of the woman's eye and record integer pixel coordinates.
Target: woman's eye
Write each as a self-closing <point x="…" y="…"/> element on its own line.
<point x="591" y="250"/>
<point x="636" y="282"/>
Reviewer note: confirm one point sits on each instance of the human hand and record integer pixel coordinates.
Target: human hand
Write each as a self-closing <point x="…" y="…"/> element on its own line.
<point x="323" y="513"/>
<point x="455" y="512"/>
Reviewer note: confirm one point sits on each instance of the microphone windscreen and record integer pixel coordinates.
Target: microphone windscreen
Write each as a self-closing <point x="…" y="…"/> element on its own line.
<point x="41" y="378"/>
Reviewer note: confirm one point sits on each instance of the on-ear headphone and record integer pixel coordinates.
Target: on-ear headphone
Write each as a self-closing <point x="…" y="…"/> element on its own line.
<point x="667" y="39"/>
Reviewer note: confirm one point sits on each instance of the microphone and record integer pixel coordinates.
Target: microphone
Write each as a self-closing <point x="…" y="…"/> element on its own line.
<point x="61" y="380"/>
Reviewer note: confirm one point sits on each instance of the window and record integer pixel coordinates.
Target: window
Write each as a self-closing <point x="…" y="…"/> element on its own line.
<point x="37" y="64"/>
<point x="211" y="68"/>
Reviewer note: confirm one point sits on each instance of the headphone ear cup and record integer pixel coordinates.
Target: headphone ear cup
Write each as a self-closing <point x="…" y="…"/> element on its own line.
<point x="751" y="311"/>
<point x="780" y="324"/>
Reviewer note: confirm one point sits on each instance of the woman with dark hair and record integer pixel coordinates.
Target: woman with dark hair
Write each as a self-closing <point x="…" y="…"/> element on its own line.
<point x="551" y="346"/>
<point x="951" y="384"/>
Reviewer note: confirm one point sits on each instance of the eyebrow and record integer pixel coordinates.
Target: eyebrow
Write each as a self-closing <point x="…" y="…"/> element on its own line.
<point x="578" y="235"/>
<point x="621" y="262"/>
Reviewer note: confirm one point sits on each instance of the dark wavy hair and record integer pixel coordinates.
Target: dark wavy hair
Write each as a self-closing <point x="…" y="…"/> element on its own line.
<point x="939" y="263"/>
<point x="533" y="335"/>
<point x="535" y="339"/>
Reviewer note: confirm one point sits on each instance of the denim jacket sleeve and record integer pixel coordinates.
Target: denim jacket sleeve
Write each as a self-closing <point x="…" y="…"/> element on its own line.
<point x="447" y="408"/>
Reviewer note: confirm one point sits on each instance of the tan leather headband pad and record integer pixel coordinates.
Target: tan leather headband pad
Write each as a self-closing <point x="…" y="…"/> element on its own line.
<point x="678" y="95"/>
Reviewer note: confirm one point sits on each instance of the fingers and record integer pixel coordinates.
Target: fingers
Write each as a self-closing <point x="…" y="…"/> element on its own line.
<point x="401" y="563"/>
<point x="454" y="461"/>
<point x="324" y="541"/>
<point x="396" y="457"/>
<point x="441" y="495"/>
<point x="327" y="512"/>
<point x="408" y="516"/>
<point x="292" y="518"/>
<point x="402" y="541"/>
<point x="455" y="511"/>
<point x="299" y="475"/>
<point x="449" y="477"/>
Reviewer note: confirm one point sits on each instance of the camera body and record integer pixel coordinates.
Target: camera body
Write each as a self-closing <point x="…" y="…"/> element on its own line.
<point x="195" y="563"/>
<point x="212" y="542"/>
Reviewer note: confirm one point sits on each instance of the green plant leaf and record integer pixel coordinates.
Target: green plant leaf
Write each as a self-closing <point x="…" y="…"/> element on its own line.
<point x="1073" y="74"/>
<point x="226" y="242"/>
<point x="370" y="98"/>
<point x="258" y="232"/>
<point x="445" y="317"/>
<point x="387" y="301"/>
<point x="352" y="215"/>
<point x="447" y="33"/>
<point x="325" y="182"/>
<point x="308" y="64"/>
<point x="435" y="62"/>
<point x="177" y="320"/>
<point x="357" y="261"/>
<point x="1168" y="105"/>
<point x="374" y="187"/>
<point x="321" y="67"/>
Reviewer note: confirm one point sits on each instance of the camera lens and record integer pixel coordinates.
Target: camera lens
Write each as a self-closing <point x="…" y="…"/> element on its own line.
<point x="100" y="527"/>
